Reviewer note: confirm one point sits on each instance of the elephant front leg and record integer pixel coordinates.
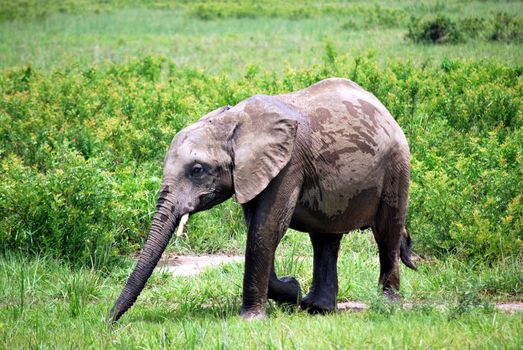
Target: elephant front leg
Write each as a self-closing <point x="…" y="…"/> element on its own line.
<point x="258" y="256"/>
<point x="263" y="237"/>
<point x="268" y="217"/>
<point x="285" y="290"/>
<point x="324" y="289"/>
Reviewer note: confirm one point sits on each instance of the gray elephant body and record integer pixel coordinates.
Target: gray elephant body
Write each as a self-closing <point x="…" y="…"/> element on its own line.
<point x="325" y="160"/>
<point x="354" y="147"/>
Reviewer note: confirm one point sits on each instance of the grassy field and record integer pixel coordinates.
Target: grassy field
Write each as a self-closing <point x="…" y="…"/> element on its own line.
<point x="230" y="45"/>
<point x="46" y="304"/>
<point x="92" y="92"/>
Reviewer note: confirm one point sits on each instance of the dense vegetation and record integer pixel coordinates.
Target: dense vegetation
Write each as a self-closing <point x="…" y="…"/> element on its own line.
<point x="217" y="9"/>
<point x="442" y="29"/>
<point x="82" y="151"/>
<point x="92" y="92"/>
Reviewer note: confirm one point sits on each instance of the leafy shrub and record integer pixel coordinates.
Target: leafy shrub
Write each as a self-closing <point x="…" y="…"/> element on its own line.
<point x="208" y="11"/>
<point x="61" y="212"/>
<point x="440" y="30"/>
<point x="365" y="17"/>
<point x="473" y="27"/>
<point x="40" y="9"/>
<point x="500" y="27"/>
<point x="507" y="28"/>
<point x="81" y="152"/>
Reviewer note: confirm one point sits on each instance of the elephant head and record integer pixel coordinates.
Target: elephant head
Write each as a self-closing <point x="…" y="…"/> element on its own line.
<point x="236" y="150"/>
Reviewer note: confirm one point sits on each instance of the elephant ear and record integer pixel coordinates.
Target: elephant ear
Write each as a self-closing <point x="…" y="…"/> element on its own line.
<point x="263" y="145"/>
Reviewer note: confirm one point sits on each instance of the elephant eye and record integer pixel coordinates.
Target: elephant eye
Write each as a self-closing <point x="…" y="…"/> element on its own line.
<point x="197" y="170"/>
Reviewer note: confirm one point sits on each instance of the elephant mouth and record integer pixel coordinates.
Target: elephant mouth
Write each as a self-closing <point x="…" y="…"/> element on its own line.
<point x="210" y="199"/>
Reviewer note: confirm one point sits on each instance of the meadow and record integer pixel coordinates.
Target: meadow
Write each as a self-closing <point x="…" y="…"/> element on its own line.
<point x="91" y="94"/>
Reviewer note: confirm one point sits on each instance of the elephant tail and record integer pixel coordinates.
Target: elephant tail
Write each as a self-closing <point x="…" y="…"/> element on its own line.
<point x="405" y="251"/>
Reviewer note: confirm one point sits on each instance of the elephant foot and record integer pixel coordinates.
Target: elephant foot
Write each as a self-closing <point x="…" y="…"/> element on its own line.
<point x="391" y="295"/>
<point x="253" y="314"/>
<point x="286" y="290"/>
<point x="319" y="304"/>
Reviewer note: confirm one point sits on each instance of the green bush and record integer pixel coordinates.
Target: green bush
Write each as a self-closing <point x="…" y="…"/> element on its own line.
<point x="473" y="27"/>
<point x="507" y="28"/>
<point x="440" y="30"/>
<point x="81" y="152"/>
<point x="362" y="15"/>
<point x="500" y="27"/>
<point x="366" y="17"/>
<point x="62" y="212"/>
<point x="40" y="9"/>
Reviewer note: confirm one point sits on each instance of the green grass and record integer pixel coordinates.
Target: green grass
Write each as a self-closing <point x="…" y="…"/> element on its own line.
<point x="43" y="303"/>
<point x="229" y="45"/>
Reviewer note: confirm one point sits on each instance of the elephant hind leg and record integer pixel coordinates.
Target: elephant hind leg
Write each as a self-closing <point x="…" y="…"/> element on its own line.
<point x="388" y="231"/>
<point x="324" y="290"/>
<point x="285" y="290"/>
<point x="389" y="224"/>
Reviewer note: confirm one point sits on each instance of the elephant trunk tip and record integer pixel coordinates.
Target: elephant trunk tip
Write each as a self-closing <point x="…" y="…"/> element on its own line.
<point x="159" y="236"/>
<point x="113" y="316"/>
<point x="117" y="311"/>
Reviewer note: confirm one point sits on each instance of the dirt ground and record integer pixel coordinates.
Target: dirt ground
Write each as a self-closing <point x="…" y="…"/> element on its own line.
<point x="190" y="265"/>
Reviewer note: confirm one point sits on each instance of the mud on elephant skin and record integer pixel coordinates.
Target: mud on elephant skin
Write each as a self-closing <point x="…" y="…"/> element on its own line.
<point x="324" y="160"/>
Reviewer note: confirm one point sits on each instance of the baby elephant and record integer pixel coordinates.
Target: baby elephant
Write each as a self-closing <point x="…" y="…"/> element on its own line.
<point x="324" y="160"/>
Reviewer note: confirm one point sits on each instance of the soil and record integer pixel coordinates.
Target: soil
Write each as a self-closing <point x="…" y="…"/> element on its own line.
<point x="191" y="265"/>
<point x="359" y="306"/>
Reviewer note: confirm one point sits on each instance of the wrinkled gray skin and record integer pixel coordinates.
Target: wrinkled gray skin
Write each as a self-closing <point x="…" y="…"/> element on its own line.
<point x="324" y="160"/>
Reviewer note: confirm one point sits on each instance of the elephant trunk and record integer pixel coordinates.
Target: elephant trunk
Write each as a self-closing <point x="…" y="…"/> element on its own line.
<point x="161" y="232"/>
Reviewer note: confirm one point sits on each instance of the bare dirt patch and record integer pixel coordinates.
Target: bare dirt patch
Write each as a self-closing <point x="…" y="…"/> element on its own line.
<point x="191" y="265"/>
<point x="352" y="306"/>
<point x="359" y="306"/>
<point x="511" y="307"/>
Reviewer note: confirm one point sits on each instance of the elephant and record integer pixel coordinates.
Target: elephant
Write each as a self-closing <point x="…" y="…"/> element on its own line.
<point x="325" y="160"/>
